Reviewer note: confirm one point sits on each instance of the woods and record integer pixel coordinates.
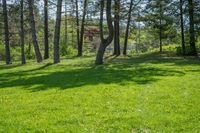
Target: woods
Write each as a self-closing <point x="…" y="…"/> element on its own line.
<point x="157" y="19"/>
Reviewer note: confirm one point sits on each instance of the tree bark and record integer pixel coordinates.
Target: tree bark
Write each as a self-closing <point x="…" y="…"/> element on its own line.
<point x="182" y="27"/>
<point x="160" y="28"/>
<point x="77" y="24"/>
<point x="104" y="42"/>
<point x="127" y="28"/>
<point x="66" y="23"/>
<point x="80" y="46"/>
<point x="139" y="36"/>
<point x="57" y="32"/>
<point x="7" y="45"/>
<point x="33" y="30"/>
<point x="23" y="59"/>
<point x="192" y="34"/>
<point x="46" y="32"/>
<point x="100" y="53"/>
<point x="116" y="29"/>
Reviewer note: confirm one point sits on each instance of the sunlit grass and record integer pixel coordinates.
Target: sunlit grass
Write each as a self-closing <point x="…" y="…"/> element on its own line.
<point x="149" y="93"/>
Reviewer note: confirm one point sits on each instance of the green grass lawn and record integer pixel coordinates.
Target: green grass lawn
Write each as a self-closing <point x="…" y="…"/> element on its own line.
<point x="150" y="93"/>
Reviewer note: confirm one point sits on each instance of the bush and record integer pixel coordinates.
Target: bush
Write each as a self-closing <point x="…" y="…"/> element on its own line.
<point x="2" y="52"/>
<point x="188" y="50"/>
<point x="29" y="53"/>
<point x="67" y="51"/>
<point x="14" y="52"/>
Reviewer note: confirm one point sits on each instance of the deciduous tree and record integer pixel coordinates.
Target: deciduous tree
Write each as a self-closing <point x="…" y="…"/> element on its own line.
<point x="104" y="41"/>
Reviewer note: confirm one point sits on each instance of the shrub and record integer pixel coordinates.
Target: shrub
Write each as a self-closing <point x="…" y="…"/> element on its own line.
<point x="2" y="52"/>
<point x="188" y="50"/>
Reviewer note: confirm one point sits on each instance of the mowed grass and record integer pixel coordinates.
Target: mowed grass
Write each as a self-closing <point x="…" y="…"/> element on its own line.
<point x="149" y="93"/>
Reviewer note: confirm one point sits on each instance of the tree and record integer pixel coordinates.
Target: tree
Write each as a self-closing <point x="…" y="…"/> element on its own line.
<point x="66" y="23"/>
<point x="77" y="24"/>
<point x="160" y="23"/>
<point x="159" y="19"/>
<point x="192" y="33"/>
<point x="33" y="30"/>
<point x="116" y="29"/>
<point x="22" y="31"/>
<point x="104" y="41"/>
<point x="7" y="45"/>
<point x="80" y="45"/>
<point x="127" y="28"/>
<point x="57" y="32"/>
<point x="182" y="27"/>
<point x="46" y="32"/>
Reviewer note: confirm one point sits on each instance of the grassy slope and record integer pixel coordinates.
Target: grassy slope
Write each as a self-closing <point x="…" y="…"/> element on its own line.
<point x="149" y="93"/>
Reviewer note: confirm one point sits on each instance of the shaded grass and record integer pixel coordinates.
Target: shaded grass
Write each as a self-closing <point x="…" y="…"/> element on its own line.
<point x="148" y="93"/>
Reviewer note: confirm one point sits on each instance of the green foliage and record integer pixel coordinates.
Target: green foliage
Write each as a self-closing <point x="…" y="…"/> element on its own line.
<point x="68" y="50"/>
<point x="2" y="52"/>
<point x="150" y="93"/>
<point x="188" y="50"/>
<point x="29" y="51"/>
<point x="15" y="53"/>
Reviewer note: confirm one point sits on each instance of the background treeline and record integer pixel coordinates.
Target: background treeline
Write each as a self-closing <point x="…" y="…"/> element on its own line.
<point x="42" y="29"/>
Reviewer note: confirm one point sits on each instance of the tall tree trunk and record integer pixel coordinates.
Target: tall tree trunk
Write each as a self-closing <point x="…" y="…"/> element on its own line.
<point x="160" y="28"/>
<point x="33" y="30"/>
<point x="46" y="32"/>
<point x="127" y="28"/>
<point x="192" y="34"/>
<point x="77" y="24"/>
<point x="116" y="29"/>
<point x="104" y="42"/>
<point x="182" y="27"/>
<point x="29" y="46"/>
<point x="80" y="46"/>
<point x="7" y="45"/>
<point x="73" y="19"/>
<point x="160" y="35"/>
<point x="100" y="53"/>
<point x="22" y="31"/>
<point x="66" y="21"/>
<point x="139" y="36"/>
<point x="57" y="32"/>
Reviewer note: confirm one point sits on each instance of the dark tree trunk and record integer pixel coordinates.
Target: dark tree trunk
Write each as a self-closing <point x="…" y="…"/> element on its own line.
<point x="192" y="34"/>
<point x="160" y="36"/>
<point x="127" y="28"/>
<point x="33" y="30"/>
<point x="160" y="28"/>
<point x="22" y="31"/>
<point x="100" y="53"/>
<point x="72" y="13"/>
<point x="29" y="47"/>
<point x="116" y="29"/>
<point x="57" y="32"/>
<point x="46" y="35"/>
<point x="182" y="27"/>
<point x="66" y="35"/>
<point x="80" y="46"/>
<point x="108" y="40"/>
<point x="7" y="45"/>
<point x="77" y="24"/>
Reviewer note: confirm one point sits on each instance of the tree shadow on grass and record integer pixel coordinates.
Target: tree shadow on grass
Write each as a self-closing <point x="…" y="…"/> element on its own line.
<point x="161" y="58"/>
<point x="2" y="67"/>
<point x="120" y="71"/>
<point x="120" y="74"/>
